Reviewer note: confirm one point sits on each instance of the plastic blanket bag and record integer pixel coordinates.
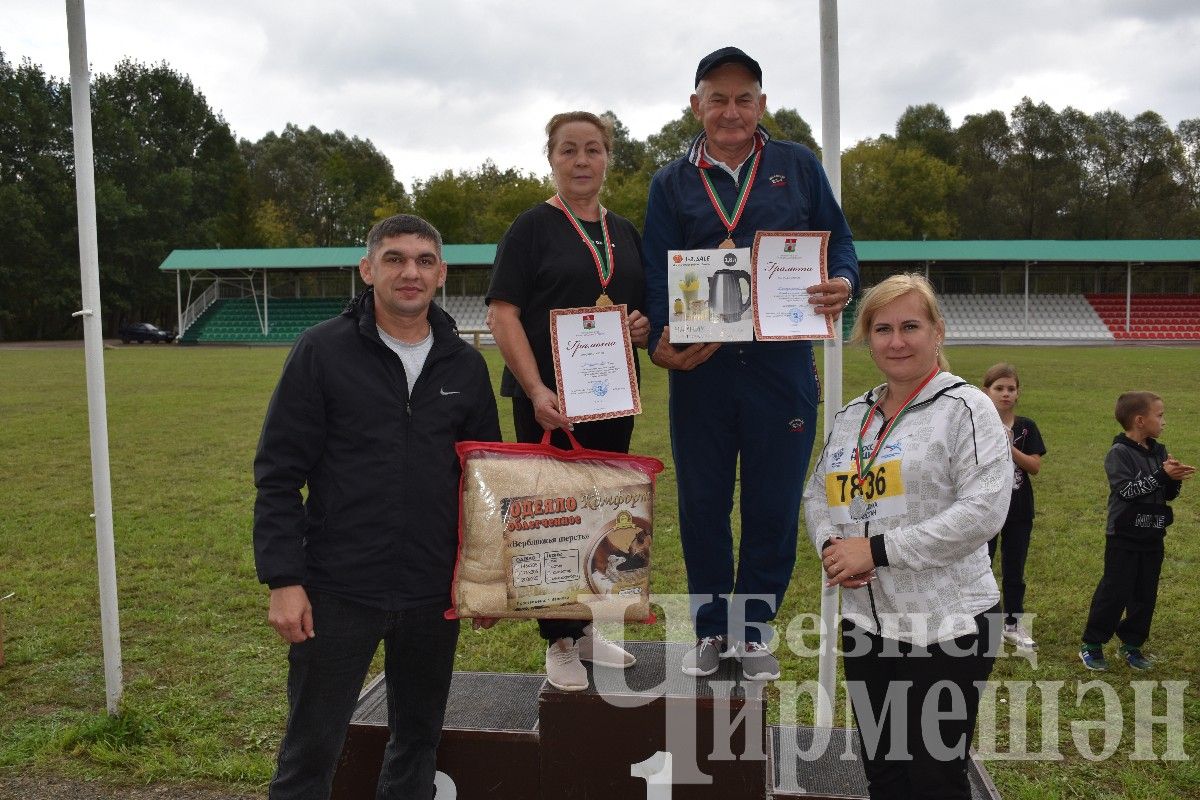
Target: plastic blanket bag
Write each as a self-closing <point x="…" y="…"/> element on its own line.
<point x="553" y="534"/>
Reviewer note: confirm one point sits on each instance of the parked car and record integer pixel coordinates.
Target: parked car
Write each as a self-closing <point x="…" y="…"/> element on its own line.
<point x="142" y="332"/>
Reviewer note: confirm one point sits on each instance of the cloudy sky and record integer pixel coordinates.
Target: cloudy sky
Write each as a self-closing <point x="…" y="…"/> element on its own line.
<point x="446" y="84"/>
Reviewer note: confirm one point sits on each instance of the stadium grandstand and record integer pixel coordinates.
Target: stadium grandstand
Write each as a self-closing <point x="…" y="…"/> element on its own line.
<point x="1011" y="291"/>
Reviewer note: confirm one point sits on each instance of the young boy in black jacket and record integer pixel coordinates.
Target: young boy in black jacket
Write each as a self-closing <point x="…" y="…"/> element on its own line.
<point x="1142" y="479"/>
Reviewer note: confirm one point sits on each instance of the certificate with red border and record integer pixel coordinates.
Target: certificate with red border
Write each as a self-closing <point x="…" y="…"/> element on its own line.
<point x="593" y="363"/>
<point x="784" y="265"/>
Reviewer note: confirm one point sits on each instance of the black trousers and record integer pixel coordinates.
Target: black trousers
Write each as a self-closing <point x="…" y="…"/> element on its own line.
<point x="1013" y="543"/>
<point x="325" y="676"/>
<point x="1129" y="585"/>
<point x="612" y="435"/>
<point x="916" y="708"/>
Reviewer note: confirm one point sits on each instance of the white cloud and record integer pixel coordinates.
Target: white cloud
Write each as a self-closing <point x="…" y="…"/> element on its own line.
<point x="446" y="84"/>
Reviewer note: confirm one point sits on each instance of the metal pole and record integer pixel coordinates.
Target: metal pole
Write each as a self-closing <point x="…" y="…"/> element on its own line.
<point x="831" y="157"/>
<point x="266" y="303"/>
<point x="1128" y="295"/>
<point x="178" y="304"/>
<point x="93" y="345"/>
<point x="1026" y="299"/>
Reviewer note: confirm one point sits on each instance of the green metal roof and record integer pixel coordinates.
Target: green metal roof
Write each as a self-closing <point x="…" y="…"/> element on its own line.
<point x="307" y="257"/>
<point x="1099" y="251"/>
<point x="1057" y="250"/>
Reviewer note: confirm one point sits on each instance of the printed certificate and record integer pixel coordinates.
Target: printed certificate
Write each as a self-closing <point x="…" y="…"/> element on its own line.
<point x="785" y="265"/>
<point x="593" y="363"/>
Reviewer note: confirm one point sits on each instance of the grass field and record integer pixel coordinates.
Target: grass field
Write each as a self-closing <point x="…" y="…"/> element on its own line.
<point x="205" y="675"/>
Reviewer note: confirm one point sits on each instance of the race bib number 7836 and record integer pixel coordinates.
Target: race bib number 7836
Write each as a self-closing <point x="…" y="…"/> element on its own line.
<point x="881" y="491"/>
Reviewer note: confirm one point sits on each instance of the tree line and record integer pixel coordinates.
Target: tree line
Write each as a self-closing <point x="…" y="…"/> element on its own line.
<point x="170" y="173"/>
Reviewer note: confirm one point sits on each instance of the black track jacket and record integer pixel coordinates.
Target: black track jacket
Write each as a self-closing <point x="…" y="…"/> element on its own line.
<point x="380" y="523"/>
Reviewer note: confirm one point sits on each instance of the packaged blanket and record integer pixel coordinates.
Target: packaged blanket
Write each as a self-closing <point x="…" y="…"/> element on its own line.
<point x="553" y="534"/>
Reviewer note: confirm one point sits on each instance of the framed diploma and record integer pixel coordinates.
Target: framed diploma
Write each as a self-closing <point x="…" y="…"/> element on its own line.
<point x="785" y="265"/>
<point x="593" y="363"/>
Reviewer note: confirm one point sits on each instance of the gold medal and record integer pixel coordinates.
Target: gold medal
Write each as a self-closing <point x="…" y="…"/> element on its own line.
<point x="606" y="265"/>
<point x="727" y="244"/>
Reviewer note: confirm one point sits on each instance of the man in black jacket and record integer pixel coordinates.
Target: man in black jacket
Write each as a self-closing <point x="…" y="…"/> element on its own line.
<point x="366" y="415"/>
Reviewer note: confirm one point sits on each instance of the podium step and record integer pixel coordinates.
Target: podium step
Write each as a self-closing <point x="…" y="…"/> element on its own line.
<point x="714" y="729"/>
<point x="489" y="742"/>
<point x="515" y="737"/>
<point x="805" y="765"/>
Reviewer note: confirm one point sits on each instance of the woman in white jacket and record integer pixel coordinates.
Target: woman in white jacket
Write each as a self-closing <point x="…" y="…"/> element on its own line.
<point x="914" y="479"/>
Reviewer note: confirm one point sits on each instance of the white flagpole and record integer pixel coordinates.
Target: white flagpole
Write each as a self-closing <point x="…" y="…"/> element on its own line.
<point x="831" y="156"/>
<point x="93" y="345"/>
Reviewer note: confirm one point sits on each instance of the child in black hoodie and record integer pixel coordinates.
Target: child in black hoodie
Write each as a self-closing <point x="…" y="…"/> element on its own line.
<point x="1142" y="479"/>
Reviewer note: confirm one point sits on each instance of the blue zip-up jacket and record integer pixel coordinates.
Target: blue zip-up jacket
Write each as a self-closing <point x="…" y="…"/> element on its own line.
<point x="790" y="193"/>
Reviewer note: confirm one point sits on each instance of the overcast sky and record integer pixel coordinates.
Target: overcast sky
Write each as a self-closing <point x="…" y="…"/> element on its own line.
<point x="446" y="84"/>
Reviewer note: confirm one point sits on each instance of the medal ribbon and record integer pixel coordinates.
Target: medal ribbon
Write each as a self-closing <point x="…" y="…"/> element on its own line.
<point x="743" y="195"/>
<point x="605" y="264"/>
<point x="867" y="417"/>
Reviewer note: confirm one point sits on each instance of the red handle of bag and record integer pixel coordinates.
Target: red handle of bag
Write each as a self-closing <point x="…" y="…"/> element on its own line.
<point x="575" y="445"/>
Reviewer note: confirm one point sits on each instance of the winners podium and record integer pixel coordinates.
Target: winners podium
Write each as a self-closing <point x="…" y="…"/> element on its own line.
<point x="646" y="733"/>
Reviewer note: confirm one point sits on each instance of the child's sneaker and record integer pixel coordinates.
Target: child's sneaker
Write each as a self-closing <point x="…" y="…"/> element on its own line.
<point x="1135" y="659"/>
<point x="1092" y="657"/>
<point x="1017" y="636"/>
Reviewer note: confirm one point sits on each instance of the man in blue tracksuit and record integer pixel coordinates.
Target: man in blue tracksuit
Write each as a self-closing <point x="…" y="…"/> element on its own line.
<point x="753" y="400"/>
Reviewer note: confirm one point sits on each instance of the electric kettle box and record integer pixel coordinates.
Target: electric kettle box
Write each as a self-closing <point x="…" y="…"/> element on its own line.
<point x="708" y="295"/>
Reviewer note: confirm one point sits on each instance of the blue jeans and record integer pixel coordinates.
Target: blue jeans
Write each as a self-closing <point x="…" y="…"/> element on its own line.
<point x="325" y="677"/>
<point x="751" y="406"/>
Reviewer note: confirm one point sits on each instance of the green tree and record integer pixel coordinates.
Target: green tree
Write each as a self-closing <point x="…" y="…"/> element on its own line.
<point x="1153" y="162"/>
<point x="672" y="140"/>
<point x="1188" y="134"/>
<point x="787" y="124"/>
<point x="1044" y="172"/>
<point x="986" y="203"/>
<point x="897" y="192"/>
<point x="477" y="206"/>
<point x="629" y="154"/>
<point x="927" y="126"/>
<point x="39" y="258"/>
<point x="168" y="175"/>
<point x="326" y="189"/>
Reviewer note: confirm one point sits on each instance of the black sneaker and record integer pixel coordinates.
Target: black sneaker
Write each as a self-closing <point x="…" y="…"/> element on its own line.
<point x="1135" y="659"/>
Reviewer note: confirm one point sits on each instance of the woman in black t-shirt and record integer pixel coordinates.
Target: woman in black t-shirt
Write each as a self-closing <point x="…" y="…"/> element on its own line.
<point x="568" y="252"/>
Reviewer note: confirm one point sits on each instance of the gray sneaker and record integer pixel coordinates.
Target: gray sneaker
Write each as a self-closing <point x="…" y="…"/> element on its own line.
<point x="705" y="657"/>
<point x="758" y="663"/>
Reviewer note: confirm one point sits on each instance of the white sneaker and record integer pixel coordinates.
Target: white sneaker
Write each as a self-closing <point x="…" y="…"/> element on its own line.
<point x="1017" y="636"/>
<point x="563" y="668"/>
<point x="597" y="649"/>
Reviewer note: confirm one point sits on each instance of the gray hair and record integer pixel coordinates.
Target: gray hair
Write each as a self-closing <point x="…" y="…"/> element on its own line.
<point x="399" y="225"/>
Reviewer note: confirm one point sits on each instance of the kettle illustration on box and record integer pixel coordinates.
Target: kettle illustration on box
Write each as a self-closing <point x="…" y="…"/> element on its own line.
<point x="725" y="301"/>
